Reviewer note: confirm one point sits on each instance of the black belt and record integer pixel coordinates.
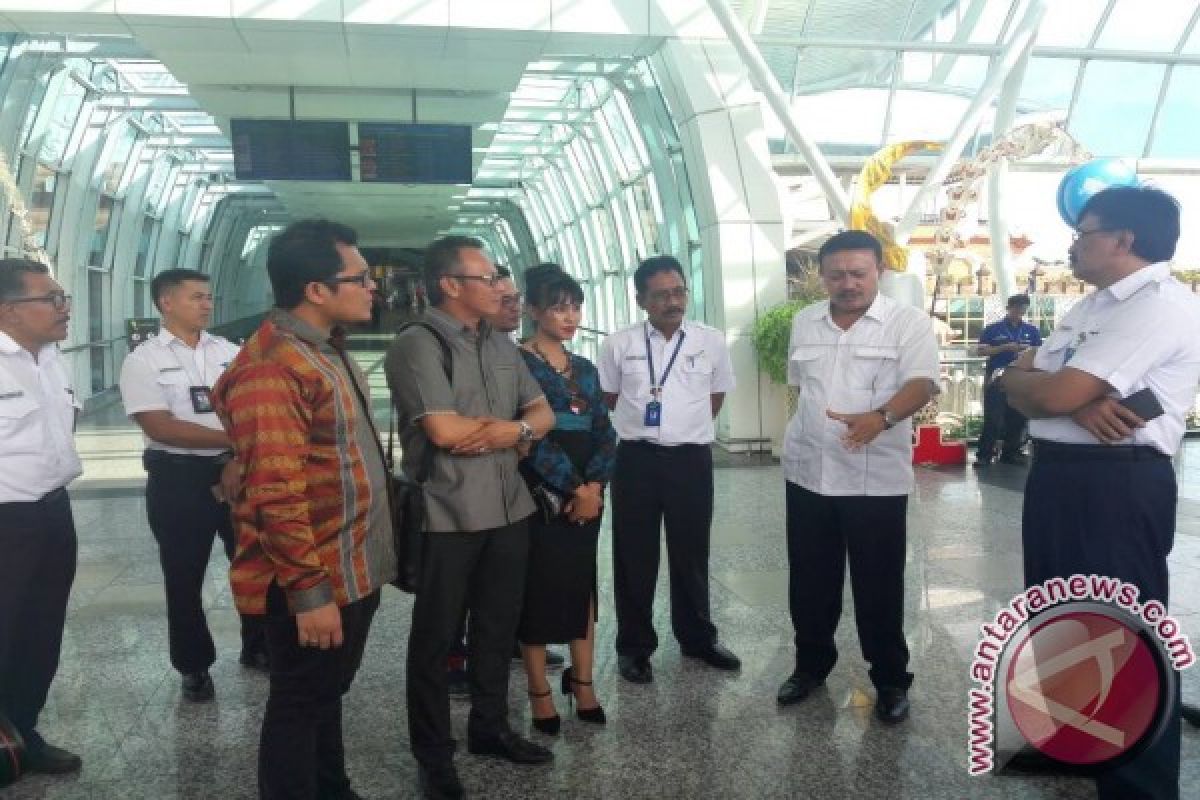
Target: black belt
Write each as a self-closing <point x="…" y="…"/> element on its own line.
<point x="1045" y="450"/>
<point x="52" y="496"/>
<point x="656" y="446"/>
<point x="162" y="457"/>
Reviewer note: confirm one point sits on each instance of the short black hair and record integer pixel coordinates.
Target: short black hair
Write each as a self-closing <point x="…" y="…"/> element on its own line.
<point x="168" y="279"/>
<point x="1021" y="300"/>
<point x="548" y="284"/>
<point x="12" y="275"/>
<point x="441" y="258"/>
<point x="305" y="252"/>
<point x="654" y="265"/>
<point x="850" y="240"/>
<point x="1149" y="213"/>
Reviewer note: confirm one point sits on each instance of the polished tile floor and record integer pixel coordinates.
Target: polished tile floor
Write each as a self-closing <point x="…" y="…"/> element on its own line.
<point x="693" y="733"/>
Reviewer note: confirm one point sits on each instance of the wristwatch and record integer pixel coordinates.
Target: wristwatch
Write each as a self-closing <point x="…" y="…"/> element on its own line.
<point x="526" y="434"/>
<point x="889" y="419"/>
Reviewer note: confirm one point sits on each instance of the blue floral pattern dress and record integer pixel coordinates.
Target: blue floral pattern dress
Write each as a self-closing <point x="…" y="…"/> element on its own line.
<point x="582" y="447"/>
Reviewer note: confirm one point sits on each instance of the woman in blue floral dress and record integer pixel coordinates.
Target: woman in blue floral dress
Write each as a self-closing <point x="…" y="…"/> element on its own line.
<point x="567" y="472"/>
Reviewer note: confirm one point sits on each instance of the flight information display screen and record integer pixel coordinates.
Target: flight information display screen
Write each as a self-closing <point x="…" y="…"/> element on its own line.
<point x="290" y="150"/>
<point x="414" y="153"/>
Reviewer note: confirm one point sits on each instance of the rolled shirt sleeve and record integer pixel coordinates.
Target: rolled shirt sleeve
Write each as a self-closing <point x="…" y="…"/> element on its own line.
<point x="723" y="380"/>
<point x="140" y="389"/>
<point x="919" y="351"/>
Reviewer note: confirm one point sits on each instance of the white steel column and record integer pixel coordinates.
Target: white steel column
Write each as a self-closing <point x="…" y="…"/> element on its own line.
<point x="1015" y="52"/>
<point x="765" y="82"/>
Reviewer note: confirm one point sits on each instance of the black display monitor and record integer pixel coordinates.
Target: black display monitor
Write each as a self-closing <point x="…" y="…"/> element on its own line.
<point x="290" y="150"/>
<point x="414" y="153"/>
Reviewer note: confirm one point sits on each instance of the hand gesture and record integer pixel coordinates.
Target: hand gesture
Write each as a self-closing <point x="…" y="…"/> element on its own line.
<point x="861" y="429"/>
<point x="494" y="435"/>
<point x="586" y="504"/>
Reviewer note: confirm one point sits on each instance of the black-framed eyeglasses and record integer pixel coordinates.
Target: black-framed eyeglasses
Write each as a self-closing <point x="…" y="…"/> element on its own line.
<point x="362" y="279"/>
<point x="57" y="300"/>
<point x="490" y="280"/>
<point x="511" y="300"/>
<point x="1077" y="234"/>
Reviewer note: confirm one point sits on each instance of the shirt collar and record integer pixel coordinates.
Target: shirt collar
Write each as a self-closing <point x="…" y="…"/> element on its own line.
<point x="879" y="310"/>
<point x="9" y="347"/>
<point x="685" y="326"/>
<point x="290" y="323"/>
<point x="1127" y="286"/>
<point x="166" y="338"/>
<point x="452" y="324"/>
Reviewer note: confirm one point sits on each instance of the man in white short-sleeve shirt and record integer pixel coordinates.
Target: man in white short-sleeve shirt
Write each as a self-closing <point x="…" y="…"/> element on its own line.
<point x="37" y="530"/>
<point x="863" y="364"/>
<point x="1101" y="493"/>
<point x="665" y="380"/>
<point x="166" y="385"/>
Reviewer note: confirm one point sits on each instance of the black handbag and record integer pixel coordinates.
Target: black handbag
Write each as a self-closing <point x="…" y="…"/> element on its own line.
<point x="409" y="514"/>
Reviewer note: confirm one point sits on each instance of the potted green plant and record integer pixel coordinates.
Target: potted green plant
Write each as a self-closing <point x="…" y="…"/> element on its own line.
<point x="773" y="330"/>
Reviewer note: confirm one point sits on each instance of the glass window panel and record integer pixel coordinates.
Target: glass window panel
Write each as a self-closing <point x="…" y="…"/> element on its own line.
<point x="649" y="214"/>
<point x="96" y="304"/>
<point x="1050" y="82"/>
<point x="1132" y="26"/>
<point x="629" y="127"/>
<point x="37" y="94"/>
<point x="1192" y="47"/>
<point x="62" y="121"/>
<point x="1092" y="122"/>
<point x="118" y="158"/>
<point x="143" y="247"/>
<point x="992" y="21"/>
<point x="582" y="171"/>
<point x="967" y="72"/>
<point x="611" y="144"/>
<point x="101" y="226"/>
<point x="1070" y="24"/>
<point x="41" y="201"/>
<point x="1179" y="118"/>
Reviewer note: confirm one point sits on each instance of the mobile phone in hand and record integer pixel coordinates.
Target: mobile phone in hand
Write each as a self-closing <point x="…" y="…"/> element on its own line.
<point x="1143" y="403"/>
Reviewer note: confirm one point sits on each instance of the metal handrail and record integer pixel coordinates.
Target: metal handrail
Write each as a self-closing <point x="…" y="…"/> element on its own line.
<point x="75" y="348"/>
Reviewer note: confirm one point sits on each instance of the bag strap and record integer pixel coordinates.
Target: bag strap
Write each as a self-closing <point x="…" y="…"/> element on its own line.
<point x="426" y="465"/>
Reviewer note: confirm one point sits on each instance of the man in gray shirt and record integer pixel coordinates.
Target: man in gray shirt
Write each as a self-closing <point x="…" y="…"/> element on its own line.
<point x="476" y="541"/>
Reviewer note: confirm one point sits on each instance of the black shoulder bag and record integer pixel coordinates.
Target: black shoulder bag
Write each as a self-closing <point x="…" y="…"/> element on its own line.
<point x="408" y="494"/>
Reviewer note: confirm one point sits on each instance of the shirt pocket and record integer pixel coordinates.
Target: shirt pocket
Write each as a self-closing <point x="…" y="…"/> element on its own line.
<point x="697" y="371"/>
<point x="1054" y="351"/>
<point x="20" y="430"/>
<point x="174" y="386"/>
<point x="803" y="364"/>
<point x="875" y="367"/>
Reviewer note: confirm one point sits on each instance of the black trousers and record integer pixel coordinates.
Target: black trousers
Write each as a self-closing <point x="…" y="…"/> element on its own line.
<point x="300" y="752"/>
<point x="483" y="573"/>
<point x="822" y="530"/>
<point x="37" y="567"/>
<point x="184" y="517"/>
<point x="655" y="487"/>
<point x="1117" y="519"/>
<point x="1000" y="422"/>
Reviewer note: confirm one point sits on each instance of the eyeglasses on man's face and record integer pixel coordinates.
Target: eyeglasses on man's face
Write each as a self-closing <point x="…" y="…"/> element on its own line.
<point x="362" y="279"/>
<point x="1078" y="234"/>
<point x="511" y="300"/>
<point x="57" y="300"/>
<point x="660" y="296"/>
<point x="491" y="279"/>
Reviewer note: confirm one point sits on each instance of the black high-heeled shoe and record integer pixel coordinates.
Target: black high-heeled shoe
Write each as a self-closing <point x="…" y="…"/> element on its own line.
<point x="592" y="715"/>
<point x="547" y="725"/>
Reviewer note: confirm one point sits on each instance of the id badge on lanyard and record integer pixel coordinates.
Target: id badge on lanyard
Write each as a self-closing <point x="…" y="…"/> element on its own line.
<point x="653" y="418"/>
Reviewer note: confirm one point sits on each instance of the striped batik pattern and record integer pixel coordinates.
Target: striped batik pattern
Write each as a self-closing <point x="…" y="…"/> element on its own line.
<point x="302" y="514"/>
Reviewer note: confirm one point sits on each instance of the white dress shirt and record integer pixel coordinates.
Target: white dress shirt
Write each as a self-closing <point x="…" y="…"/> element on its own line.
<point x="158" y="376"/>
<point x="37" y="423"/>
<point x="701" y="369"/>
<point x="1143" y="331"/>
<point x="852" y="371"/>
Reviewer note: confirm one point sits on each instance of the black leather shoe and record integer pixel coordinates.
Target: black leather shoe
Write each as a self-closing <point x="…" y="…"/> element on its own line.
<point x="796" y="688"/>
<point x="635" y="669"/>
<point x="439" y="783"/>
<point x="51" y="760"/>
<point x="255" y="659"/>
<point x="716" y="655"/>
<point x="891" y="706"/>
<point x="198" y="687"/>
<point x="511" y="747"/>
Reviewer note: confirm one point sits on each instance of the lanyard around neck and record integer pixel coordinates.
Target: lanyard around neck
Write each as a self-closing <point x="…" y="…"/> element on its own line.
<point x="656" y="385"/>
<point x="193" y="352"/>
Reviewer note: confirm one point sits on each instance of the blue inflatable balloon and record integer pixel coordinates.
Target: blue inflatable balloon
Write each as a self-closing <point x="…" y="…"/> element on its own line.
<point x="1083" y="181"/>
